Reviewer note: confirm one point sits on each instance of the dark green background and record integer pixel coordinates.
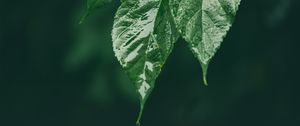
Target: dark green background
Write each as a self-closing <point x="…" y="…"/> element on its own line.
<point x="54" y="72"/>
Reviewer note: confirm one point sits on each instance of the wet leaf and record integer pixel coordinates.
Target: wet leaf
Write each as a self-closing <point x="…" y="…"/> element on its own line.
<point x="143" y="37"/>
<point x="204" y="24"/>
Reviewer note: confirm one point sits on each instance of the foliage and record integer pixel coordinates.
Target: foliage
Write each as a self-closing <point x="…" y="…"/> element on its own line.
<point x="145" y="31"/>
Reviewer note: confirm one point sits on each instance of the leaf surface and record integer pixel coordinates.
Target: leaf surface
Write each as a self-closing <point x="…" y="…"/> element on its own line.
<point x="143" y="37"/>
<point x="204" y="24"/>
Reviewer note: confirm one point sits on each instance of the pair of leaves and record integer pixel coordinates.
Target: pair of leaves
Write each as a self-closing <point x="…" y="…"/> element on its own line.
<point x="145" y="31"/>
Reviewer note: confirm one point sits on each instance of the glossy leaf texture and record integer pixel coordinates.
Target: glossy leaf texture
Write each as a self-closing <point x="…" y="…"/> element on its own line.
<point x="143" y="37"/>
<point x="92" y="5"/>
<point x="204" y="24"/>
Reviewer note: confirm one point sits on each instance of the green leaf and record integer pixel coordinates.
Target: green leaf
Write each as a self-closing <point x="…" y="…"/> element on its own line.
<point x="143" y="37"/>
<point x="92" y="5"/>
<point x="204" y="24"/>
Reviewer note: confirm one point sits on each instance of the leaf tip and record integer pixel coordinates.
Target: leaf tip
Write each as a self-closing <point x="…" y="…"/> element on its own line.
<point x="138" y="123"/>
<point x="204" y="80"/>
<point x="83" y="18"/>
<point x="204" y="71"/>
<point x="80" y="22"/>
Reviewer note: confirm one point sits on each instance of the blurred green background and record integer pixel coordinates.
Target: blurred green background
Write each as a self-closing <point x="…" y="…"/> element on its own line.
<point x="54" y="72"/>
